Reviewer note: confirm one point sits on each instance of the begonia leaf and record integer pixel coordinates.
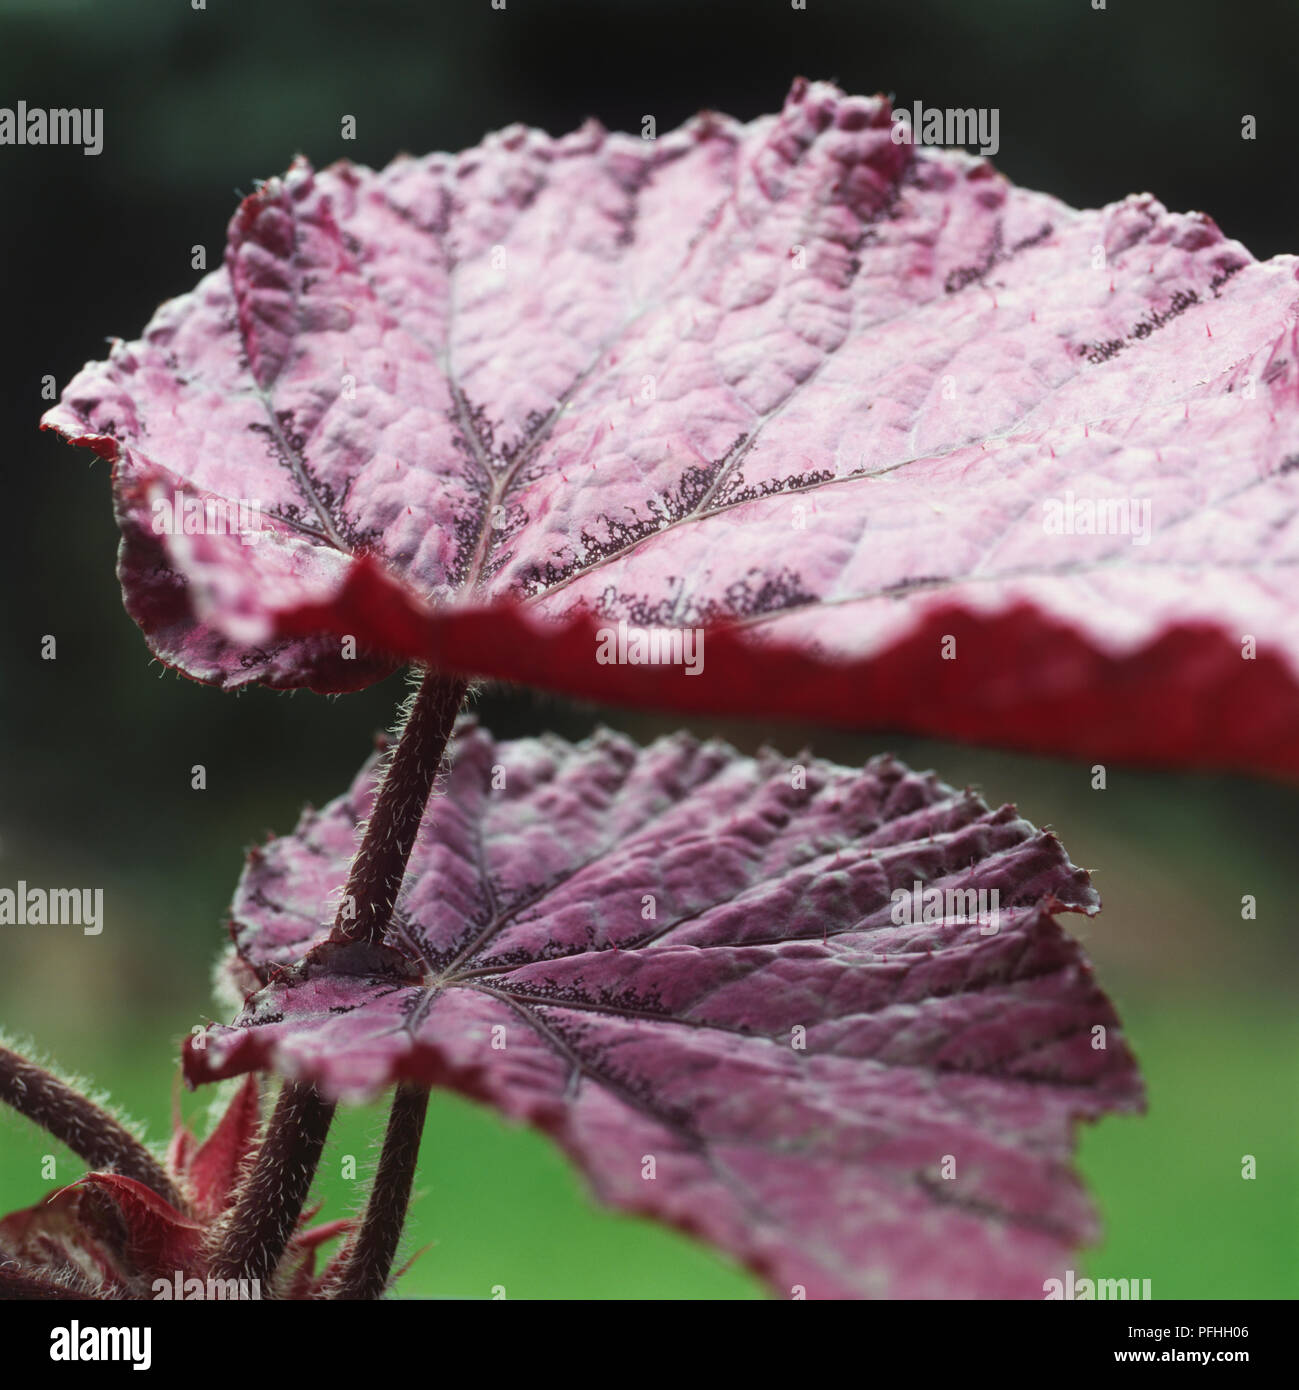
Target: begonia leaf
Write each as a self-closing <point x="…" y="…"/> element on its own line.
<point x="913" y="447"/>
<point x="821" y="1018"/>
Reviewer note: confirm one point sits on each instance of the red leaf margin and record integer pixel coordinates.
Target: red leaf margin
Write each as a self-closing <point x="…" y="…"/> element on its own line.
<point x="1035" y="671"/>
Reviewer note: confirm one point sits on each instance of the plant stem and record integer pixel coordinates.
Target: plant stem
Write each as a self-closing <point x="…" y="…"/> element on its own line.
<point x="380" y="863"/>
<point x="89" y="1131"/>
<point x="367" y="1262"/>
<point x="268" y="1205"/>
<point x="17" y="1285"/>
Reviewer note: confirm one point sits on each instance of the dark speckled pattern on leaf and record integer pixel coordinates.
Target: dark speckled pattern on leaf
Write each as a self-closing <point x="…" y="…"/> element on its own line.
<point x="790" y="381"/>
<point x="524" y="970"/>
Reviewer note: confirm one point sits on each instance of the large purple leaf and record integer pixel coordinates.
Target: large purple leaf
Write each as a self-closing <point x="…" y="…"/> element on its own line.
<point x="822" y="393"/>
<point x="690" y="956"/>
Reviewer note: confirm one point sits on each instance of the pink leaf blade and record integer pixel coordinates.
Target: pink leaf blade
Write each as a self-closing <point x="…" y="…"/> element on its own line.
<point x="797" y="1054"/>
<point x="828" y="398"/>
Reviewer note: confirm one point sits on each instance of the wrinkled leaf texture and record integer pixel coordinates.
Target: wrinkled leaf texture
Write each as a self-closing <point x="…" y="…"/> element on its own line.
<point x="789" y="381"/>
<point x="678" y="953"/>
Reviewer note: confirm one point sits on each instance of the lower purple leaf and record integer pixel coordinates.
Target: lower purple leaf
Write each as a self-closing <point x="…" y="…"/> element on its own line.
<point x="821" y="1018"/>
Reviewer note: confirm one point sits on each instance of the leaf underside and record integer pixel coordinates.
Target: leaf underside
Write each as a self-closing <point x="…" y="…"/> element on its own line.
<point x="807" y="388"/>
<point x="684" y="955"/>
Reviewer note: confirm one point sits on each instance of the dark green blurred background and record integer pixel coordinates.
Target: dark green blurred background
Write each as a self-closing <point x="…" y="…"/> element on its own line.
<point x="97" y="746"/>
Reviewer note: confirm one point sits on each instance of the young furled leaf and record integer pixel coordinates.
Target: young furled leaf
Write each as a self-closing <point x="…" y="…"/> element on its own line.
<point x="821" y="1018"/>
<point x="109" y="1236"/>
<point x="915" y="447"/>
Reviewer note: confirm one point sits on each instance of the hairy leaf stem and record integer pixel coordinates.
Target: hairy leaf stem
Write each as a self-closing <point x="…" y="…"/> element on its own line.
<point x="380" y="864"/>
<point x="366" y="1264"/>
<point x="251" y="1241"/>
<point x="87" y="1129"/>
